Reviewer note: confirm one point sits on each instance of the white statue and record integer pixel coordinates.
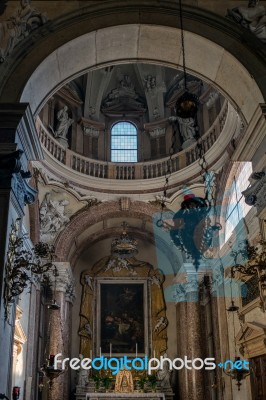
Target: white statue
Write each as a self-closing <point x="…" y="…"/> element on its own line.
<point x="187" y="128"/>
<point x="19" y="26"/>
<point x="64" y="122"/>
<point x="164" y="375"/>
<point x="252" y="17"/>
<point x="83" y="374"/>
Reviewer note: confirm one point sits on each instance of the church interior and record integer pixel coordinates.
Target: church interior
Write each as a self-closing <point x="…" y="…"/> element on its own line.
<point x="133" y="198"/>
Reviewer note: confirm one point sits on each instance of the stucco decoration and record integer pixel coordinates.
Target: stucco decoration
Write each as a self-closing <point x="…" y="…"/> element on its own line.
<point x="252" y="17"/>
<point x="57" y="207"/>
<point x="141" y="270"/>
<point x="18" y="27"/>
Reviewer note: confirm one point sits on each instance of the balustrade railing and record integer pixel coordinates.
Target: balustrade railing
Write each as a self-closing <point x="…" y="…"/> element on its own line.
<point x="144" y="170"/>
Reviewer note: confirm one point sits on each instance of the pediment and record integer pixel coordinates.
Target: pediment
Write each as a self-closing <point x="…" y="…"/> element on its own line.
<point x="125" y="106"/>
<point x="251" y="331"/>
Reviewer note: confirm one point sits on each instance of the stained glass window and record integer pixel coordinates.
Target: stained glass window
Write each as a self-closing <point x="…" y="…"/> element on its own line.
<point x="124" y="143"/>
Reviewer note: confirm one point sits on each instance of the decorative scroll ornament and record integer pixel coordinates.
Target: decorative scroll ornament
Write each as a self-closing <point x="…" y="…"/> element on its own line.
<point x="21" y="264"/>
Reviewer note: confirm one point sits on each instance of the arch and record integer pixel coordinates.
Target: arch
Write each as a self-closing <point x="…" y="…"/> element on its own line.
<point x="83" y="220"/>
<point x="114" y="32"/>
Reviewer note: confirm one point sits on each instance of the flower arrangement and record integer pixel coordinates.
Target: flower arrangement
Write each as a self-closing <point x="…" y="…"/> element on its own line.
<point x="152" y="379"/>
<point x="97" y="380"/>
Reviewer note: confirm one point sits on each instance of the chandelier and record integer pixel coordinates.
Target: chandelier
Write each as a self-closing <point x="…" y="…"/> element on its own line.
<point x="251" y="261"/>
<point x="124" y="246"/>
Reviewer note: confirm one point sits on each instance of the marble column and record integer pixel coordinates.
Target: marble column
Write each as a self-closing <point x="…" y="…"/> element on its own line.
<point x="181" y="318"/>
<point x="191" y="381"/>
<point x="59" y="329"/>
<point x="19" y="144"/>
<point x="194" y="342"/>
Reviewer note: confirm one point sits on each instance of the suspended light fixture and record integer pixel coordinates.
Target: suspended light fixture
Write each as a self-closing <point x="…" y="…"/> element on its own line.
<point x="239" y="374"/>
<point x="124" y="246"/>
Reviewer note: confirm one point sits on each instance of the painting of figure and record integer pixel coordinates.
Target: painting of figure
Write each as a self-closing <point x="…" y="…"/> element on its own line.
<point x="122" y="318"/>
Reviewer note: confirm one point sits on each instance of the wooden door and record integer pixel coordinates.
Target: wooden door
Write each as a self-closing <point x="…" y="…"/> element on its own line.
<point x="258" y="377"/>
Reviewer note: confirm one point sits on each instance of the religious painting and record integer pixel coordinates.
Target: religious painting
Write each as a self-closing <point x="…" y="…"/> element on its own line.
<point x="122" y="317"/>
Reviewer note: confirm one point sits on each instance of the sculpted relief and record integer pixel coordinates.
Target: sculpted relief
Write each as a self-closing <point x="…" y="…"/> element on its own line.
<point x="18" y="27"/>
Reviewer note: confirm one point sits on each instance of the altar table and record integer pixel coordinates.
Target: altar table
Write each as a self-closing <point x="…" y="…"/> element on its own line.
<point x="119" y="396"/>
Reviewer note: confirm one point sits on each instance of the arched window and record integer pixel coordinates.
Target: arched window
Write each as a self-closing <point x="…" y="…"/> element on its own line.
<point x="236" y="206"/>
<point x="124" y="142"/>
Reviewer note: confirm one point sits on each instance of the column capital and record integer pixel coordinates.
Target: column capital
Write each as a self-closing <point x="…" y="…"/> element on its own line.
<point x="64" y="280"/>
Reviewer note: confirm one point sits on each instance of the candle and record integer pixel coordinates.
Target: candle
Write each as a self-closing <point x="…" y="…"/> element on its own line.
<point x="91" y="354"/>
<point x="100" y="351"/>
<point x="136" y="350"/>
<point x="110" y="350"/>
<point x="153" y="353"/>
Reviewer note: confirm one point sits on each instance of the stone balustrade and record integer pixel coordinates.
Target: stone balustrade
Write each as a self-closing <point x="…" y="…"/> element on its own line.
<point x="128" y="171"/>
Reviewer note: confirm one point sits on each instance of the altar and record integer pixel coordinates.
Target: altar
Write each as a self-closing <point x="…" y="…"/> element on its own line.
<point x="132" y="396"/>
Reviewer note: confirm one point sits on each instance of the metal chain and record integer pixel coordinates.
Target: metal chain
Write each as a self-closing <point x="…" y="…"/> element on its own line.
<point x="183" y="44"/>
<point x="168" y="170"/>
<point x="209" y="192"/>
